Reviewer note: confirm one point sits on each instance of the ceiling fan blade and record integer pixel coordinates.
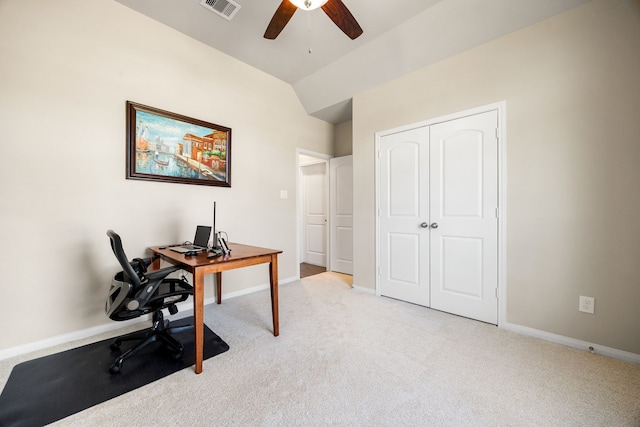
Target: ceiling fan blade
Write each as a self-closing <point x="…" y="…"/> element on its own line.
<point x="340" y="15"/>
<point x="280" y="18"/>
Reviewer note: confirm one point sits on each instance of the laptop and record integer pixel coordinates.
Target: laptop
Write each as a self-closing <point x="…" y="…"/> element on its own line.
<point x="200" y="242"/>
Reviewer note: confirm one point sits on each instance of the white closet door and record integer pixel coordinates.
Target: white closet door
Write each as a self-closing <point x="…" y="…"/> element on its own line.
<point x="464" y="224"/>
<point x="403" y="208"/>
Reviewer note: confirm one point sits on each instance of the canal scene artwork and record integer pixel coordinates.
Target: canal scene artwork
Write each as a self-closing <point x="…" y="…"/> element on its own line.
<point x="164" y="146"/>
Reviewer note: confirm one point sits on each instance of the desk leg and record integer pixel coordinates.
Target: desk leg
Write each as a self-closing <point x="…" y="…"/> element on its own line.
<point x="219" y="286"/>
<point x="273" y="281"/>
<point x="198" y="317"/>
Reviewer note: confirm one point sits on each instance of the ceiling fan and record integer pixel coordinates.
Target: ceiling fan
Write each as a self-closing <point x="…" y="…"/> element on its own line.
<point x="335" y="9"/>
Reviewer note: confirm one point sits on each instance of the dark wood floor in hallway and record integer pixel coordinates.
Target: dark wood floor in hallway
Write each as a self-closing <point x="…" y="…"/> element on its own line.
<point x="307" y="270"/>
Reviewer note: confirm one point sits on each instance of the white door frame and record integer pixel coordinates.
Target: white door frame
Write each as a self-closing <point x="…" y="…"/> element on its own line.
<point x="299" y="220"/>
<point x="501" y="107"/>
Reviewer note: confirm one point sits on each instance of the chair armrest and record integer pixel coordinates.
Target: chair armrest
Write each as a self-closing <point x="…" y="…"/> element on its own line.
<point x="161" y="273"/>
<point x="149" y="287"/>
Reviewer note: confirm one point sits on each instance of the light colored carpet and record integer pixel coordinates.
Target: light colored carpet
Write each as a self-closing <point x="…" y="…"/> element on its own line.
<point x="346" y="358"/>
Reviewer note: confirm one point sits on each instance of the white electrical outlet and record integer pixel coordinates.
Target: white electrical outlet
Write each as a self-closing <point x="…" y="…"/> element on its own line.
<point x="587" y="304"/>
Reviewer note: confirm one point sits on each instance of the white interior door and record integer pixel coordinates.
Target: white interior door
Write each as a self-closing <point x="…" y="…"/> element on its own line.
<point x="314" y="213"/>
<point x="341" y="214"/>
<point x="437" y="222"/>
<point x="403" y="210"/>
<point x="463" y="216"/>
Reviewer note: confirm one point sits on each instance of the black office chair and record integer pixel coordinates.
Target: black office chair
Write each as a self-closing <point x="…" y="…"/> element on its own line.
<point x="135" y="292"/>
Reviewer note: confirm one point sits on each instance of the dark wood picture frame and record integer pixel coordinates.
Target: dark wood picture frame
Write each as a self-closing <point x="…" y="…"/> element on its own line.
<point x="168" y="147"/>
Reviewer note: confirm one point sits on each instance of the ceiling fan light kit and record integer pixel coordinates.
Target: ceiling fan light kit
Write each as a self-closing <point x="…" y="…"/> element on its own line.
<point x="308" y="4"/>
<point x="335" y="10"/>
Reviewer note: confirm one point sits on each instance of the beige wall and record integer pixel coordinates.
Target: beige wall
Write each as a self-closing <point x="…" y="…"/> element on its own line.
<point x="67" y="69"/>
<point x="343" y="139"/>
<point x="572" y="96"/>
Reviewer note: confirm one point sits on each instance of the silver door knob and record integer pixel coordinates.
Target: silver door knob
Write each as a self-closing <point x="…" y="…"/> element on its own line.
<point x="424" y="225"/>
<point x="434" y="225"/>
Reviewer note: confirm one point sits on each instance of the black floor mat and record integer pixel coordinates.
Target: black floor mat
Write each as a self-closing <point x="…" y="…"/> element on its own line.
<point x="47" y="389"/>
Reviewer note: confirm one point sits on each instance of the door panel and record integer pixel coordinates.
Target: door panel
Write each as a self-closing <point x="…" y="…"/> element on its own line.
<point x="404" y="179"/>
<point x="464" y="198"/>
<point x="461" y="170"/>
<point x="315" y="239"/>
<point x="404" y="205"/>
<point x="457" y="251"/>
<point x="404" y="269"/>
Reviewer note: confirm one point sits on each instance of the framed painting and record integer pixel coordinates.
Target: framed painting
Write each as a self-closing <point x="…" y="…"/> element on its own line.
<point x="168" y="147"/>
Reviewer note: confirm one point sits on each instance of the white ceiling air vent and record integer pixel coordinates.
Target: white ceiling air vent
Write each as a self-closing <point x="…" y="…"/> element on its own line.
<point x="225" y="8"/>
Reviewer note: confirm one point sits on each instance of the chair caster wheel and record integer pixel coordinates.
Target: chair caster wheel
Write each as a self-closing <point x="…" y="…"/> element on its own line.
<point x="115" y="346"/>
<point x="115" y="368"/>
<point x="177" y="355"/>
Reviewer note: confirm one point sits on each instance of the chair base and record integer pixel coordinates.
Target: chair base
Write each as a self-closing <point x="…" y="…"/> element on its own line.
<point x="160" y="331"/>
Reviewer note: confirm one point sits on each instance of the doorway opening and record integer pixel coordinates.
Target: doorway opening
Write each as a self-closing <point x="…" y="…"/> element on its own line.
<point x="313" y="212"/>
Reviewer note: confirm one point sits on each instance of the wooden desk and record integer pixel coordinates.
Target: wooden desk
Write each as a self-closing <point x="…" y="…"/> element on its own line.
<point x="199" y="265"/>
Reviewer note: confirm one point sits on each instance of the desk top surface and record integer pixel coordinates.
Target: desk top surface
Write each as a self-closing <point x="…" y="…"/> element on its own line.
<point x="238" y="252"/>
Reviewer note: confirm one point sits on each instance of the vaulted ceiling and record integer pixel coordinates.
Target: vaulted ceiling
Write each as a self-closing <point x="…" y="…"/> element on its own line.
<point x="325" y="67"/>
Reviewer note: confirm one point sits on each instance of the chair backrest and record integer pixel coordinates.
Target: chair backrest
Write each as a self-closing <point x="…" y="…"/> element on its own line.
<point x="130" y="274"/>
<point x="123" y="286"/>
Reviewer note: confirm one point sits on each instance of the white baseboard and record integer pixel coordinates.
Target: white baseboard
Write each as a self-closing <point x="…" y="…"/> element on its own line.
<point x="555" y="338"/>
<point x="254" y="289"/>
<point x="572" y="342"/>
<point x="184" y="309"/>
<point x="365" y="290"/>
<point x="64" y="338"/>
